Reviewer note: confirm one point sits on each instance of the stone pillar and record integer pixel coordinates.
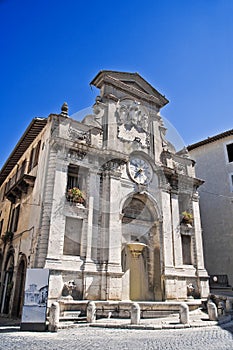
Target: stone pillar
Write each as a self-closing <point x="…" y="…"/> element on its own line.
<point x="57" y="220"/>
<point x="104" y="217"/>
<point x="111" y="230"/>
<point x="135" y="313"/>
<point x="202" y="275"/>
<point x="198" y="235"/>
<point x="212" y="311"/>
<point x="184" y="313"/>
<point x="47" y="197"/>
<point x="177" y="245"/>
<point x="54" y="317"/>
<point x="94" y="191"/>
<point x="89" y="229"/>
<point x="91" y="312"/>
<point x="114" y="224"/>
<point x="167" y="229"/>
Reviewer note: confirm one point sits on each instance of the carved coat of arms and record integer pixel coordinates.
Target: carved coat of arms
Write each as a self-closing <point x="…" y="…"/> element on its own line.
<point x="133" y="122"/>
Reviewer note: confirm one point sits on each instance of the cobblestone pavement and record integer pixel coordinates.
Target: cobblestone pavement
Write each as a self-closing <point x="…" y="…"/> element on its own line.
<point x="88" y="338"/>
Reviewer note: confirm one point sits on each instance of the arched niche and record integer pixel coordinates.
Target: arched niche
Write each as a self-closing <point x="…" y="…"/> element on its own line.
<point x="19" y="287"/>
<point x="142" y="270"/>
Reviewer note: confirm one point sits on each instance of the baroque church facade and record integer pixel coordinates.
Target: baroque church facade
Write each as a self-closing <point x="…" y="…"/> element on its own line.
<point x="105" y="202"/>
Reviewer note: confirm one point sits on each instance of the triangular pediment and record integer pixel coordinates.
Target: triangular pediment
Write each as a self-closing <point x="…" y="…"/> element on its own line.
<point x="129" y="82"/>
<point x="135" y="85"/>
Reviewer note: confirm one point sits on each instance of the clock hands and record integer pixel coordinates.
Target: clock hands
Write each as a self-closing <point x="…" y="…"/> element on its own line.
<point x="138" y="172"/>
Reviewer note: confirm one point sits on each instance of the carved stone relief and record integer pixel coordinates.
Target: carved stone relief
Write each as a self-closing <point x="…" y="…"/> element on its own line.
<point x="80" y="136"/>
<point x="76" y="155"/>
<point x="114" y="165"/>
<point x="180" y="168"/>
<point x="133" y="122"/>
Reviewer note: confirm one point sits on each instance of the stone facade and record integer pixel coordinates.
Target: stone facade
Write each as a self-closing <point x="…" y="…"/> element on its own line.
<point x="101" y="203"/>
<point x="214" y="164"/>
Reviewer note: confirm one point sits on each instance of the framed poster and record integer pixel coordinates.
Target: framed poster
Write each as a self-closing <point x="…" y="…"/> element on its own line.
<point x="35" y="300"/>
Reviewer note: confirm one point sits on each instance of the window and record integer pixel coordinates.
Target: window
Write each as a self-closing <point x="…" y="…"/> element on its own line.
<point x="34" y="157"/>
<point x="230" y="152"/>
<point x="37" y="152"/>
<point x="76" y="177"/>
<point x="186" y="249"/>
<point x="13" y="226"/>
<point x="72" y="239"/>
<point x="21" y="170"/>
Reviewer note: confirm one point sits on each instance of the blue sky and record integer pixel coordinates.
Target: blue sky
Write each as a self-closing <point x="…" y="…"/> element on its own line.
<point x="52" y="49"/>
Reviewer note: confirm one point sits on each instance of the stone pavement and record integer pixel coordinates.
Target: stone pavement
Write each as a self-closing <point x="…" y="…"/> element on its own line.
<point x="113" y="334"/>
<point x="90" y="338"/>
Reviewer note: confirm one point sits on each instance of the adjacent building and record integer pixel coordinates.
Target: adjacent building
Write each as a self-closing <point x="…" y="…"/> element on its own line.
<point x="106" y="202"/>
<point x="214" y="164"/>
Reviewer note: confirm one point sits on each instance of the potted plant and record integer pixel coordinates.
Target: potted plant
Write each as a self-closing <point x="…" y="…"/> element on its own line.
<point x="75" y="195"/>
<point x="187" y="218"/>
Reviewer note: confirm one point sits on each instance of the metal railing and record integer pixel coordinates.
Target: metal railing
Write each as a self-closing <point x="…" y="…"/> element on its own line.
<point x="20" y="172"/>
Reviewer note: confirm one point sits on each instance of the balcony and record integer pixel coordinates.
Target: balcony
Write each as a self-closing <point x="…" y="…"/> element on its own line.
<point x="19" y="183"/>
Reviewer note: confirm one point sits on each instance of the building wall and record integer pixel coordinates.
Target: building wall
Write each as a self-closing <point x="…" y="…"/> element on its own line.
<point x="24" y="244"/>
<point x="91" y="243"/>
<point x="216" y="196"/>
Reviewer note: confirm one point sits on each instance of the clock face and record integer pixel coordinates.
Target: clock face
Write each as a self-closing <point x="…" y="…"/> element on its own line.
<point x="140" y="171"/>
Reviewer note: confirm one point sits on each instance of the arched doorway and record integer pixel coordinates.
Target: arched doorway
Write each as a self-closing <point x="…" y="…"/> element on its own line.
<point x="19" y="287"/>
<point x="7" y="283"/>
<point x="142" y="272"/>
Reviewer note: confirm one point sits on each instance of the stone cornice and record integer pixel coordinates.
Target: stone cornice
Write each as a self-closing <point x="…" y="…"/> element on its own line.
<point x="136" y="92"/>
<point x="179" y="181"/>
<point x="124" y="80"/>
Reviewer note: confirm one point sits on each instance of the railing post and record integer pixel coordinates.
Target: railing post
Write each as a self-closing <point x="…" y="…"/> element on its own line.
<point x="135" y="313"/>
<point x="54" y="317"/>
<point x="184" y="313"/>
<point x="212" y="311"/>
<point x="91" y="312"/>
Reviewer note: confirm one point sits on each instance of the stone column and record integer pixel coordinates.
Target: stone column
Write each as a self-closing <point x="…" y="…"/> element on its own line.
<point x="57" y="221"/>
<point x="47" y="197"/>
<point x="104" y="217"/>
<point x="114" y="223"/>
<point x="94" y="190"/>
<point x="198" y="235"/>
<point x="89" y="263"/>
<point x="167" y="229"/>
<point x="202" y="275"/>
<point x="177" y="244"/>
<point x="111" y="230"/>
